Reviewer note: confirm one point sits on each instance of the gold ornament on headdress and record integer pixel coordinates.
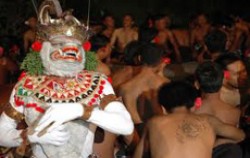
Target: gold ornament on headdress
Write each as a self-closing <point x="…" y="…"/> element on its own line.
<point x="65" y="25"/>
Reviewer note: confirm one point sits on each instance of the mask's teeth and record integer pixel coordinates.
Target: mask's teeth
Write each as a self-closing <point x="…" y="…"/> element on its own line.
<point x="61" y="53"/>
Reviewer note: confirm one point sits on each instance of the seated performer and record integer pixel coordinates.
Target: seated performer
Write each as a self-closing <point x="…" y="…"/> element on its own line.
<point x="177" y="135"/>
<point x="57" y="98"/>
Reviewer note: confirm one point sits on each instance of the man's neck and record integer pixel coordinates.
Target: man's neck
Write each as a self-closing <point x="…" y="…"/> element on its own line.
<point x="211" y="96"/>
<point x="127" y="28"/>
<point x="181" y="109"/>
<point x="230" y="88"/>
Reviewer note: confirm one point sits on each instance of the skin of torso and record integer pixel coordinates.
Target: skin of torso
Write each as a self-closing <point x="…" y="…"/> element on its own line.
<point x="180" y="136"/>
<point x="182" y="37"/>
<point x="105" y="149"/>
<point x="103" y="68"/>
<point x="123" y="37"/>
<point x="223" y="111"/>
<point x="135" y="87"/>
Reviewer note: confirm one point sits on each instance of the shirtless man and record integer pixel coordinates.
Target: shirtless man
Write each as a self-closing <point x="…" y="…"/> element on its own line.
<point x="126" y="34"/>
<point x="109" y="24"/>
<point x="130" y="69"/>
<point x="165" y="36"/>
<point x="7" y="67"/>
<point x="101" y="46"/>
<point x="215" y="42"/>
<point x="198" y="34"/>
<point x="210" y="78"/>
<point x="177" y="135"/>
<point x="147" y="80"/>
<point x="182" y="37"/>
<point x="235" y="79"/>
<point x="30" y="35"/>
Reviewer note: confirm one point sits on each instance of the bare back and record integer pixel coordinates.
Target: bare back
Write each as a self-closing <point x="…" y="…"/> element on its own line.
<point x="188" y="133"/>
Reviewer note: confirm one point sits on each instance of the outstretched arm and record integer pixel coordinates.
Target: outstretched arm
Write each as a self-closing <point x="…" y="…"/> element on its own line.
<point x="225" y="130"/>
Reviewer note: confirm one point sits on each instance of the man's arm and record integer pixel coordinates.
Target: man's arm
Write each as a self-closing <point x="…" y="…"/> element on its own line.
<point x="176" y="48"/>
<point x="143" y="146"/>
<point x="225" y="130"/>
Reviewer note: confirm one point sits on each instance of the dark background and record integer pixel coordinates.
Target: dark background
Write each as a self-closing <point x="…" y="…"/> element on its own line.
<point x="13" y="13"/>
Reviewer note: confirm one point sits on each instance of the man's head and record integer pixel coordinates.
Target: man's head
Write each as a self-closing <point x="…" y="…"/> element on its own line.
<point x="31" y="22"/>
<point x="210" y="77"/>
<point x="128" y="20"/>
<point x="100" y="44"/>
<point x="216" y="41"/>
<point x="151" y="55"/>
<point x="108" y="20"/>
<point x="177" y="94"/>
<point x="202" y="19"/>
<point x="236" y="69"/>
<point x="161" y="21"/>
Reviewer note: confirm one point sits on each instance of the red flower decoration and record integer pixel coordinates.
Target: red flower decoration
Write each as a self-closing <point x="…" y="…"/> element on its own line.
<point x="86" y="46"/>
<point x="226" y="74"/>
<point x="36" y="46"/>
<point x="156" y="40"/>
<point x="197" y="103"/>
<point x="166" y="60"/>
<point x="1" y="50"/>
<point x="23" y="74"/>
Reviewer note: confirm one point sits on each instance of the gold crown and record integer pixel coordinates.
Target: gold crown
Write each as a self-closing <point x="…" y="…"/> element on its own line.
<point x="65" y="25"/>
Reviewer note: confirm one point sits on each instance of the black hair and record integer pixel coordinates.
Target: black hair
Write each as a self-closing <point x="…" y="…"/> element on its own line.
<point x="131" y="53"/>
<point x="210" y="77"/>
<point x="130" y="15"/>
<point x="159" y="16"/>
<point x="177" y="94"/>
<point x="226" y="59"/>
<point x="98" y="41"/>
<point x="216" y="41"/>
<point x="151" y="54"/>
<point x="107" y="15"/>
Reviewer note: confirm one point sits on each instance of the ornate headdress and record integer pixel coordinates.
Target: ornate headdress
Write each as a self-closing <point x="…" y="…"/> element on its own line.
<point x="65" y="23"/>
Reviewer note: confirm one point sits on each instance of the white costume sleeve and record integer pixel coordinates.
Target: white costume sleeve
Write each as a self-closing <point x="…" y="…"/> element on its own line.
<point x="115" y="117"/>
<point x="9" y="135"/>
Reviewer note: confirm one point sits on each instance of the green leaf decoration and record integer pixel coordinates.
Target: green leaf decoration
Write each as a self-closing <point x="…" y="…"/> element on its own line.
<point x="91" y="61"/>
<point x="32" y="64"/>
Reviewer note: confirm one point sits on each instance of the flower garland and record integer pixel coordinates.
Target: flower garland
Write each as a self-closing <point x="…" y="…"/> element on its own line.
<point x="32" y="63"/>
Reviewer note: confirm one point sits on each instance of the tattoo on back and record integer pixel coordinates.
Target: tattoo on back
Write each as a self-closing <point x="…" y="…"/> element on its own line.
<point x="190" y="129"/>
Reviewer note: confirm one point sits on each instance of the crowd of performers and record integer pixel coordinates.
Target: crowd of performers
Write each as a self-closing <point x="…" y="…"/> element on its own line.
<point x="150" y="91"/>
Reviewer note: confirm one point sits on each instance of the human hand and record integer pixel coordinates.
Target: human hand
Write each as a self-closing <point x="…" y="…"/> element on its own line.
<point x="107" y="99"/>
<point x="57" y="137"/>
<point x="58" y="114"/>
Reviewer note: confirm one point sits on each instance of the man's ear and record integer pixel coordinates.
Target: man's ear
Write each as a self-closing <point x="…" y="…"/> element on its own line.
<point x="196" y="84"/>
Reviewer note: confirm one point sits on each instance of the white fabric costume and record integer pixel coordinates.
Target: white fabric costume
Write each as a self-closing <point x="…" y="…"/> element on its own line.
<point x="59" y="96"/>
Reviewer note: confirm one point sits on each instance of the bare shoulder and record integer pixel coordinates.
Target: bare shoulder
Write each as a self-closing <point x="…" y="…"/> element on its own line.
<point x="157" y="121"/>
